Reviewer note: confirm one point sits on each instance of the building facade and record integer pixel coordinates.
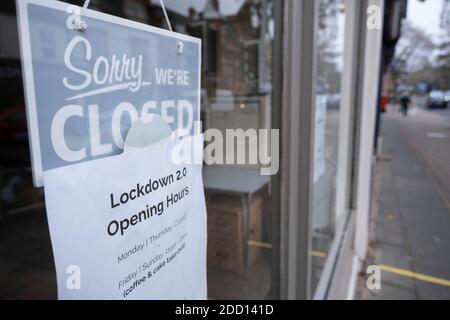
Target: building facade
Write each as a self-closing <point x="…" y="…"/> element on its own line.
<point x="310" y="69"/>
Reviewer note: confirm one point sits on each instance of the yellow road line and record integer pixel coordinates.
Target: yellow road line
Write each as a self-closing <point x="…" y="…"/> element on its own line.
<point x="259" y="244"/>
<point x="414" y="275"/>
<point x="318" y="254"/>
<point x="265" y="245"/>
<point x="383" y="267"/>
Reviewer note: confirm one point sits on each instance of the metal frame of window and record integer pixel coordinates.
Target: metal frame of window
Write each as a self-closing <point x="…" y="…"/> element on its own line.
<point x="300" y="18"/>
<point x="276" y="120"/>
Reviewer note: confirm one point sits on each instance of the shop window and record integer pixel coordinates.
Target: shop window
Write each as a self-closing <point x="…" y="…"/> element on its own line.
<point x="236" y="94"/>
<point x="330" y="44"/>
<point x="209" y="44"/>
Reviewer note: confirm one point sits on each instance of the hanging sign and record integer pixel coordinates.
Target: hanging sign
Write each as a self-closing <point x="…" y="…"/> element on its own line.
<point x="88" y="76"/>
<point x="131" y="226"/>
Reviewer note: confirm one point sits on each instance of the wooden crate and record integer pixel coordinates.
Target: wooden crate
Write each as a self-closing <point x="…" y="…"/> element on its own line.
<point x="226" y="234"/>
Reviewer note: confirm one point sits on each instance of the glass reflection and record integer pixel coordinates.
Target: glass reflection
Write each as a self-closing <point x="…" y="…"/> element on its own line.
<point x="237" y="38"/>
<point x="330" y="44"/>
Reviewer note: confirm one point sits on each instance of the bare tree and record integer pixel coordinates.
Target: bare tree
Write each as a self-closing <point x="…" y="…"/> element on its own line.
<point x="413" y="50"/>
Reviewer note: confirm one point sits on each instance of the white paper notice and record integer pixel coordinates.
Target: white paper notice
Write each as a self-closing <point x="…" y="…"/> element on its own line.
<point x="131" y="226"/>
<point x="319" y="145"/>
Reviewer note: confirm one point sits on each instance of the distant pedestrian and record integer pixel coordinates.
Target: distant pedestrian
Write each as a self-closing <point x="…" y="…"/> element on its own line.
<point x="404" y="102"/>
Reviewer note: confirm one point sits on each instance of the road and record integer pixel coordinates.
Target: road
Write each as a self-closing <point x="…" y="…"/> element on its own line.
<point x="411" y="220"/>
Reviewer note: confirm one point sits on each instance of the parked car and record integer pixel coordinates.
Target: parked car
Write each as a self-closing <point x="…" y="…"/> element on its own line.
<point x="436" y="99"/>
<point x="333" y="101"/>
<point x="447" y="97"/>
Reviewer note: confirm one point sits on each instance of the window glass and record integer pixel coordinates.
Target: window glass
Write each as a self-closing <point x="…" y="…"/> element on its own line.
<point x="237" y="39"/>
<point x="330" y="45"/>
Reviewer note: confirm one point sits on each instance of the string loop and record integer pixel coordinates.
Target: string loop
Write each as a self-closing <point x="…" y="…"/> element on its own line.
<point x="165" y="14"/>
<point x="81" y="25"/>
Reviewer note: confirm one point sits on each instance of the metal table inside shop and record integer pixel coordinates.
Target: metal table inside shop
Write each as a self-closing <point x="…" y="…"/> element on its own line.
<point x="243" y="182"/>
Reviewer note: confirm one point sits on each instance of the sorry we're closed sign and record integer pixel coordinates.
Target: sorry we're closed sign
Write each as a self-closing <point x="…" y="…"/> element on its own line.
<point x="86" y="87"/>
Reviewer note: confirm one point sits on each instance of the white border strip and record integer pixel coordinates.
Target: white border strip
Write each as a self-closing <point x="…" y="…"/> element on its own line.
<point x="30" y="98"/>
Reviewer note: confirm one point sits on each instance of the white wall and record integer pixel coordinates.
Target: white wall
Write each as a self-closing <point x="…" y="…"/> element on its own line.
<point x="368" y="107"/>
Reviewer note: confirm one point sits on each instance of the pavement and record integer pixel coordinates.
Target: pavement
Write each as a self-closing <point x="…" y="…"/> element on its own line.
<point x="411" y="216"/>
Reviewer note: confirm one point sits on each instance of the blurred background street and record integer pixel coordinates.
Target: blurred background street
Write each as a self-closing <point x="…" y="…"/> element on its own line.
<point x="411" y="223"/>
